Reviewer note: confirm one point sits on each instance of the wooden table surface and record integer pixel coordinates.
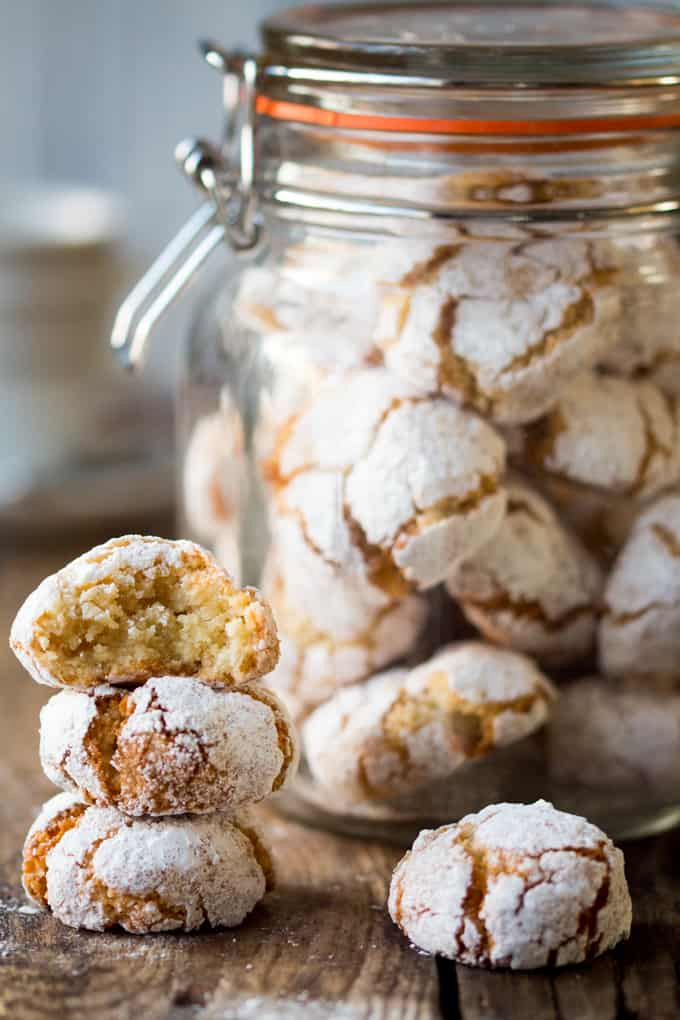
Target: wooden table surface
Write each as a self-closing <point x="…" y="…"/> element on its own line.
<point x="320" y="946"/>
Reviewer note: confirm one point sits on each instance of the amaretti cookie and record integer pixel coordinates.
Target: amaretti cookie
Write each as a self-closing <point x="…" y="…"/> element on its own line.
<point x="298" y="364"/>
<point x="175" y="745"/>
<point x="614" y="435"/>
<point x="516" y="885"/>
<point x="607" y="735"/>
<point x="138" y="607"/>
<point x="352" y="468"/>
<point x="322" y="288"/>
<point x="497" y="326"/>
<point x="214" y="472"/>
<point x="648" y="342"/>
<point x="403" y="729"/>
<point x="335" y="627"/>
<point x="215" y="478"/>
<point x="515" y="770"/>
<point x="95" y="868"/>
<point x="640" y="626"/>
<point x="601" y="519"/>
<point x="533" y="587"/>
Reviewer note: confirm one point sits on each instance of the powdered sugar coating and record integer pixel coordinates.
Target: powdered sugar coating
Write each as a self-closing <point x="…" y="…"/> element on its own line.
<point x="497" y="326"/>
<point x="640" y="626"/>
<point x="322" y="288"/>
<point x="335" y="627"/>
<point x="516" y="885"/>
<point x="226" y="546"/>
<point x="214" y="477"/>
<point x="75" y="611"/>
<point x="648" y="345"/>
<point x="403" y="729"/>
<point x="533" y="587"/>
<point x="147" y="875"/>
<point x="601" y="519"/>
<point x="65" y="721"/>
<point x="369" y="499"/>
<point x="612" y="434"/>
<point x="172" y="746"/>
<point x="606" y="735"/>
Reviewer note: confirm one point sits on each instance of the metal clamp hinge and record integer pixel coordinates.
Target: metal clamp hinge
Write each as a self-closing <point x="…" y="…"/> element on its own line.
<point x="226" y="175"/>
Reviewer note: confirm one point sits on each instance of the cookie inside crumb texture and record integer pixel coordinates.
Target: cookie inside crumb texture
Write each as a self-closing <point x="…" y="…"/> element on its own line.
<point x="172" y="616"/>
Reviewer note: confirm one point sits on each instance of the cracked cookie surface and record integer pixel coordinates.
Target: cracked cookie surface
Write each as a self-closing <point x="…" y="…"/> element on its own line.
<point x="138" y="607"/>
<point x="351" y="468"/>
<point x="516" y="885"/>
<point x="614" y="435"/>
<point x="533" y="587"/>
<point x="403" y="729"/>
<point x="172" y="746"/>
<point x="335" y="628"/>
<point x="496" y="326"/>
<point x="640" y="626"/>
<point x="95" y="868"/>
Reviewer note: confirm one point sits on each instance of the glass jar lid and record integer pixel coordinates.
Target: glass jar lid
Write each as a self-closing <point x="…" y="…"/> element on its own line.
<point x="481" y="68"/>
<point x="481" y="43"/>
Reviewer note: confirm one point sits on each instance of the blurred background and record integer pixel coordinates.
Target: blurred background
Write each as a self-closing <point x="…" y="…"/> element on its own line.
<point x="94" y="96"/>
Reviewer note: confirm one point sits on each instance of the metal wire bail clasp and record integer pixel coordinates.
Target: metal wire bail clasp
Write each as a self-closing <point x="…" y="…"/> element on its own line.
<point x="226" y="175"/>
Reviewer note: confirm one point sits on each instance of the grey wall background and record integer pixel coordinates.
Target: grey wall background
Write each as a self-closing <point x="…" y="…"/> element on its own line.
<point x="100" y="91"/>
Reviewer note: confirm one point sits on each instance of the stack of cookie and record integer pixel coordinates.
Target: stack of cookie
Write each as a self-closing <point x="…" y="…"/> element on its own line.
<point x="160" y="736"/>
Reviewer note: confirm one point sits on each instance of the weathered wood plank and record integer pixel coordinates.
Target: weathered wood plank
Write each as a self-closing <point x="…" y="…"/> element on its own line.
<point x="648" y="962"/>
<point x="502" y="995"/>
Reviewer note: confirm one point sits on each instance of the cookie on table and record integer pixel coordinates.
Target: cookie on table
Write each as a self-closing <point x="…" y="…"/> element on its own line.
<point x="175" y="745"/>
<point x="533" y="587"/>
<point x="516" y="885"/>
<point x="614" y="435"/>
<point x="499" y="327"/>
<point x="95" y="868"/>
<point x="648" y="344"/>
<point x="403" y="729"/>
<point x="640" y="626"/>
<point x="335" y="628"/>
<point x="350" y="467"/>
<point x="605" y="734"/>
<point x="138" y="607"/>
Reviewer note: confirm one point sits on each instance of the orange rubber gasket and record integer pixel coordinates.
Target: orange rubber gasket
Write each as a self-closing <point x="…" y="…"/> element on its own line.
<point x="301" y="114"/>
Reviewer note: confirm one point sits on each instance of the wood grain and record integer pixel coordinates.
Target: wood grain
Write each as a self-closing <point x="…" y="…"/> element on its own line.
<point x="320" y="946"/>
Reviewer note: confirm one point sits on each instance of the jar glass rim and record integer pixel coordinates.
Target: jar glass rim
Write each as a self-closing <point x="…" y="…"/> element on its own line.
<point x="484" y="42"/>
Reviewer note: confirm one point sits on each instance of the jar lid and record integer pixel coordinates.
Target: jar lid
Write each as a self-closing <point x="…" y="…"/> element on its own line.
<point x="482" y="43"/>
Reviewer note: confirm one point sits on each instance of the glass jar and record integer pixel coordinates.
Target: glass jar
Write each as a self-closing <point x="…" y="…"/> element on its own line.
<point x="432" y="409"/>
